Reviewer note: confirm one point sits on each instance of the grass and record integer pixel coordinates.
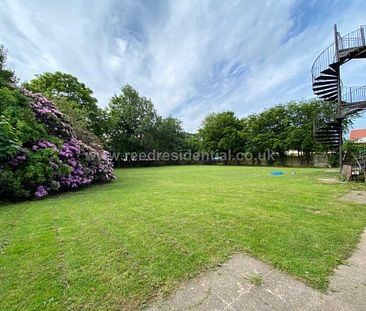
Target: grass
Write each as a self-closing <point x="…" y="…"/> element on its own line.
<point x="115" y="246"/>
<point x="256" y="279"/>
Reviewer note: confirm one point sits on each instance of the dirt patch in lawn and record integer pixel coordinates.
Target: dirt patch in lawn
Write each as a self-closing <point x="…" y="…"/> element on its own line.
<point x="317" y="212"/>
<point x="355" y="196"/>
<point x="332" y="170"/>
<point x="329" y="181"/>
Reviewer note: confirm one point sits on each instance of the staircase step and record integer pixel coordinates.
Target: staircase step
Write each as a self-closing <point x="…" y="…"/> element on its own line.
<point x="327" y="132"/>
<point x="324" y="86"/>
<point x="324" y="83"/>
<point x="346" y="53"/>
<point x="330" y="91"/>
<point x="328" y="129"/>
<point x="330" y="98"/>
<point x="334" y="66"/>
<point x="326" y="135"/>
<point x="326" y="141"/>
<point x="330" y="71"/>
<point x="360" y="54"/>
<point x="334" y="143"/>
<point x="333" y="123"/>
<point x="328" y="88"/>
<point x="326" y="78"/>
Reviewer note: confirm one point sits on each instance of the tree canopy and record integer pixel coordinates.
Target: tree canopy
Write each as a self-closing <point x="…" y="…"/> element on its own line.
<point x="280" y="129"/>
<point x="71" y="96"/>
<point x="221" y="132"/>
<point x="7" y="77"/>
<point x="131" y="122"/>
<point x="133" y="125"/>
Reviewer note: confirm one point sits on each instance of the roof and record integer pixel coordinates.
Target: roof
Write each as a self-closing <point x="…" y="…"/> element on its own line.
<point x="357" y="134"/>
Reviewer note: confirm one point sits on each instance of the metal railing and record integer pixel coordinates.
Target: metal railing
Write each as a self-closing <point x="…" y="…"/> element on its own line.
<point x="353" y="39"/>
<point x="354" y="94"/>
<point x="329" y="56"/>
<point x="322" y="62"/>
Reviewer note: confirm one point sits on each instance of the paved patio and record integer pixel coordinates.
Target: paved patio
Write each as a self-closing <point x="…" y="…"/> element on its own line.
<point x="244" y="283"/>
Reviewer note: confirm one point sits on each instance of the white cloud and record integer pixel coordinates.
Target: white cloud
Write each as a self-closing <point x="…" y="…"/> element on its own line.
<point x="190" y="57"/>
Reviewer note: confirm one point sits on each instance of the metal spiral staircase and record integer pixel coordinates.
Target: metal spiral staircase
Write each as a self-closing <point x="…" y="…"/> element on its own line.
<point x="327" y="85"/>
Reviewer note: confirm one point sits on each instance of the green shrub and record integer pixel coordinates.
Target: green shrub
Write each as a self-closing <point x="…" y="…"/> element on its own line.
<point x="18" y="125"/>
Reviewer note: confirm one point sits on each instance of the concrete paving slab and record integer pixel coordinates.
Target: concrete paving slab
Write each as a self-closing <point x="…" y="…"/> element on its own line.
<point x="244" y="283"/>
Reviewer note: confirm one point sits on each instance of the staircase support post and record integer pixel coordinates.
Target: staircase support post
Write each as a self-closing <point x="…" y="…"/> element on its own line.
<point x="340" y="145"/>
<point x="339" y="97"/>
<point x="336" y="43"/>
<point x="338" y="70"/>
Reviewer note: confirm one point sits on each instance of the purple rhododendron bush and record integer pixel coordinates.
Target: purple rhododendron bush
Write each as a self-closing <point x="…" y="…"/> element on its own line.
<point x="40" y="153"/>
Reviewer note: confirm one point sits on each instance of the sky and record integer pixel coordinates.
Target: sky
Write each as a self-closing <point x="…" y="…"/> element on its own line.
<point x="190" y="57"/>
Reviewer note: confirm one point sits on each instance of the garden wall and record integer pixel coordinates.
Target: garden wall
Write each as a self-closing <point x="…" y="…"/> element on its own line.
<point x="289" y="161"/>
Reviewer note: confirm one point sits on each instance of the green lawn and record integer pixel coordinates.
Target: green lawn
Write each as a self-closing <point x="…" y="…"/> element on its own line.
<point x="115" y="246"/>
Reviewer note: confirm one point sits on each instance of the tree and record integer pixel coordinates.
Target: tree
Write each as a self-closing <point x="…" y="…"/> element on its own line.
<point x="272" y="126"/>
<point x="66" y="88"/>
<point x="169" y="135"/>
<point x="222" y="132"/>
<point x="132" y="122"/>
<point x="286" y="127"/>
<point x="7" y="77"/>
<point x="300" y="131"/>
<point x="191" y="142"/>
<point x="253" y="135"/>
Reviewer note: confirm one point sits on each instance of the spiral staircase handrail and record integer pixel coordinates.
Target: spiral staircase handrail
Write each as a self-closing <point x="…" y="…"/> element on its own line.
<point x="353" y="39"/>
<point x="324" y="59"/>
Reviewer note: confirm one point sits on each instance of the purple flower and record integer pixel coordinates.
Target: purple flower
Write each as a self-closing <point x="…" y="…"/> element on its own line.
<point x="80" y="169"/>
<point x="41" y="192"/>
<point x="53" y="165"/>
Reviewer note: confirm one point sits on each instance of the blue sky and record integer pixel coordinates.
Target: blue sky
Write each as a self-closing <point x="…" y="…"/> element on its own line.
<point x="190" y="57"/>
